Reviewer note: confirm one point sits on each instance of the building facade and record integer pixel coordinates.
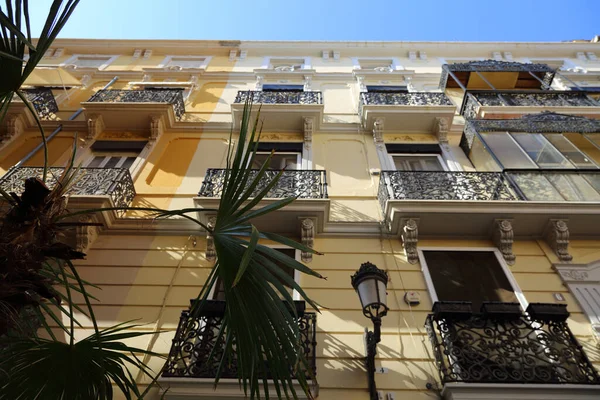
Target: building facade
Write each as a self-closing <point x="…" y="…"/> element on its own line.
<point x="467" y="171"/>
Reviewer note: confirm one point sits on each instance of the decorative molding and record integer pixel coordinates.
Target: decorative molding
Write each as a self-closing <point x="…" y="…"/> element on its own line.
<point x="362" y="87"/>
<point x="211" y="253"/>
<point x="309" y="123"/>
<point x="409" y="234"/>
<point x="441" y="128"/>
<point x="157" y="127"/>
<point x="378" y="127"/>
<point x="85" y="235"/>
<point x="85" y="80"/>
<point x="579" y="273"/>
<point x="417" y="138"/>
<point x="307" y="83"/>
<point x="307" y="233"/>
<point x="557" y="237"/>
<point x="14" y="127"/>
<point x="124" y="135"/>
<point x="503" y="237"/>
<point x="96" y="126"/>
<point x="259" y="82"/>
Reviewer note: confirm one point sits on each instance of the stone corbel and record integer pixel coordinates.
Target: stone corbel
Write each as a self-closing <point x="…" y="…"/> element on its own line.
<point x="361" y="84"/>
<point x="378" y="127"/>
<point x="195" y="85"/>
<point x="259" y="82"/>
<point x="557" y="237"/>
<point x="307" y="83"/>
<point x="307" y="233"/>
<point x="85" y="81"/>
<point x="409" y="84"/>
<point x="309" y="123"/>
<point x="85" y="235"/>
<point x="409" y="235"/>
<point x="503" y="237"/>
<point x="441" y="128"/>
<point x="211" y="253"/>
<point x="157" y="128"/>
<point x="95" y="128"/>
<point x="14" y="127"/>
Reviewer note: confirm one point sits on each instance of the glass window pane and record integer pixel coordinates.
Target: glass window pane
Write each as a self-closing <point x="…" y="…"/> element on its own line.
<point x="278" y="161"/>
<point x="128" y="162"/>
<point x="96" y="162"/>
<point x="417" y="163"/>
<point x="568" y="150"/>
<point x="481" y="158"/>
<point x="585" y="145"/>
<point x="506" y="150"/>
<point x="573" y="187"/>
<point x="541" y="151"/>
<point x="536" y="187"/>
<point x="112" y="162"/>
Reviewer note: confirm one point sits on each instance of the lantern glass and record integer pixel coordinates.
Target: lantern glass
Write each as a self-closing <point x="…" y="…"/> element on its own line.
<point x="372" y="291"/>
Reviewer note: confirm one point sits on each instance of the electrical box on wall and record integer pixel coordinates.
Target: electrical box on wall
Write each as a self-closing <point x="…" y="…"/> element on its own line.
<point x="412" y="298"/>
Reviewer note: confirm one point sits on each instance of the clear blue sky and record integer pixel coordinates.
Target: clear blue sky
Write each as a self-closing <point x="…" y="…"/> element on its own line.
<point x="372" y="20"/>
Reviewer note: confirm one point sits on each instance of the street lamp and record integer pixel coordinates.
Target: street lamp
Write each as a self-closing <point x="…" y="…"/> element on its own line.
<point x="370" y="283"/>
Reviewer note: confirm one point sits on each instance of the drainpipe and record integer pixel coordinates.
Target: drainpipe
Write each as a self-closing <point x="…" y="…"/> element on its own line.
<point x="55" y="132"/>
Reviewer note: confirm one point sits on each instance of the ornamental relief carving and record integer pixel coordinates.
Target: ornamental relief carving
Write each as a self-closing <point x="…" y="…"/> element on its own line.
<point x="123" y="135"/>
<point x="283" y="137"/>
<point x="410" y="138"/>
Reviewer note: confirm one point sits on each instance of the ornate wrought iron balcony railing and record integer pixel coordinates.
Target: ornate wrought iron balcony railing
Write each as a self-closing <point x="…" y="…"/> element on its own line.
<point x="290" y="97"/>
<point x="43" y="102"/>
<point x="170" y="96"/>
<point x="444" y="185"/>
<point x="306" y="184"/>
<point x="195" y="339"/>
<point x="114" y="182"/>
<point x="511" y="98"/>
<point x="403" y="99"/>
<point x="502" y="346"/>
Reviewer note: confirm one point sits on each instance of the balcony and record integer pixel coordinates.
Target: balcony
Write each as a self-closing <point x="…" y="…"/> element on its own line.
<point x="308" y="186"/>
<point x="112" y="183"/>
<point x="43" y="101"/>
<point x="502" y="104"/>
<point x="133" y="109"/>
<point x="506" y="354"/>
<point x="281" y="111"/>
<point x="404" y="112"/>
<point x="196" y="339"/>
<point x="467" y="203"/>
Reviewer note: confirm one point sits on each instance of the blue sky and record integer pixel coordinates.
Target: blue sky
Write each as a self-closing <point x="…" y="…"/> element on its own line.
<point x="371" y="20"/>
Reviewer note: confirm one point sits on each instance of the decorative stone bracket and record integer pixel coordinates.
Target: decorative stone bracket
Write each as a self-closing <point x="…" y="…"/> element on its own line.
<point x="441" y="128"/>
<point x="309" y="126"/>
<point x="14" y="127"/>
<point x="557" y="237"/>
<point x="86" y="235"/>
<point x="211" y="253"/>
<point x="307" y="233"/>
<point x="378" y="127"/>
<point x="95" y="128"/>
<point x="409" y="235"/>
<point x="503" y="237"/>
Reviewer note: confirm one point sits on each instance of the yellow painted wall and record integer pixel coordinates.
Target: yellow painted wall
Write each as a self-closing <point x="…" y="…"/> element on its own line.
<point x="152" y="278"/>
<point x="59" y="150"/>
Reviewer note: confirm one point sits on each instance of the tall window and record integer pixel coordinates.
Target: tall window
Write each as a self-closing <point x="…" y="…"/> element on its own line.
<point x="474" y="276"/>
<point x="114" y="154"/>
<point x="288" y="160"/>
<point x="417" y="162"/>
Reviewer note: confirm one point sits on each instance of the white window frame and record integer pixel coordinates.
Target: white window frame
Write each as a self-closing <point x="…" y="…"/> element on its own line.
<point x="121" y="154"/>
<point x="268" y="61"/>
<point x="168" y="59"/>
<point x="439" y="157"/>
<point x="511" y="279"/>
<point x="298" y="157"/>
<point x="72" y="61"/>
<point x="395" y="63"/>
<point x="297" y="257"/>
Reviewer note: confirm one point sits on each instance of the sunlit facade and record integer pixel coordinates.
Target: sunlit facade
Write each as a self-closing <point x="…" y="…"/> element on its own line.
<point x="467" y="171"/>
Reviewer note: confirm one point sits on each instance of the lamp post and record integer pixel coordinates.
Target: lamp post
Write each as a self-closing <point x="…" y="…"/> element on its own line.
<point x="370" y="283"/>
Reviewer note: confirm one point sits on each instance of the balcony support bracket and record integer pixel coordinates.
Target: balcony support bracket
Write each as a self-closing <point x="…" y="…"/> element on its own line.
<point x="557" y="237"/>
<point x="96" y="126"/>
<point x="14" y="127"/>
<point x="409" y="234"/>
<point x="378" y="127"/>
<point x="211" y="253"/>
<point x="85" y="235"/>
<point x="307" y="228"/>
<point x="503" y="237"/>
<point x="309" y="124"/>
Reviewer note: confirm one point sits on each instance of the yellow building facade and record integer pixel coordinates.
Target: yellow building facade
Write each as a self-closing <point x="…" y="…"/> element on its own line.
<point x="467" y="171"/>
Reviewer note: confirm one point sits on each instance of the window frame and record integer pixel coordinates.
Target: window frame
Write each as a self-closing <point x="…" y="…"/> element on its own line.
<point x="439" y="157"/>
<point x="511" y="279"/>
<point x="72" y="61"/>
<point x="268" y="62"/>
<point x="168" y="59"/>
<point x="298" y="157"/>
<point x="297" y="257"/>
<point x="123" y="155"/>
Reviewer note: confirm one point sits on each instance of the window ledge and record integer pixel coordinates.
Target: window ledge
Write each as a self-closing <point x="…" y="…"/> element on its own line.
<point x="503" y="391"/>
<point x="228" y="389"/>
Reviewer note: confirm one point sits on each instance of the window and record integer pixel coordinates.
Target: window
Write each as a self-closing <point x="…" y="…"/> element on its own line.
<point x="180" y="63"/>
<point x="283" y="88"/>
<point x="475" y="276"/>
<point x="219" y="290"/>
<point x="386" y="89"/>
<point x="115" y="154"/>
<point x="289" y="161"/>
<point x="571" y="152"/>
<point x="99" y="62"/>
<point x="507" y="150"/>
<point x="417" y="162"/>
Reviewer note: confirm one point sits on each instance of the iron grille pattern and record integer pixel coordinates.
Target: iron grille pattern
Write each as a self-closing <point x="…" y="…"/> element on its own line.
<point x="444" y="185"/>
<point x="196" y="338"/>
<point x="403" y="99"/>
<point x="522" y="349"/>
<point x="283" y="97"/>
<point x="500" y="98"/>
<point x="114" y="182"/>
<point x="170" y="96"/>
<point x="43" y="102"/>
<point x="306" y="184"/>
